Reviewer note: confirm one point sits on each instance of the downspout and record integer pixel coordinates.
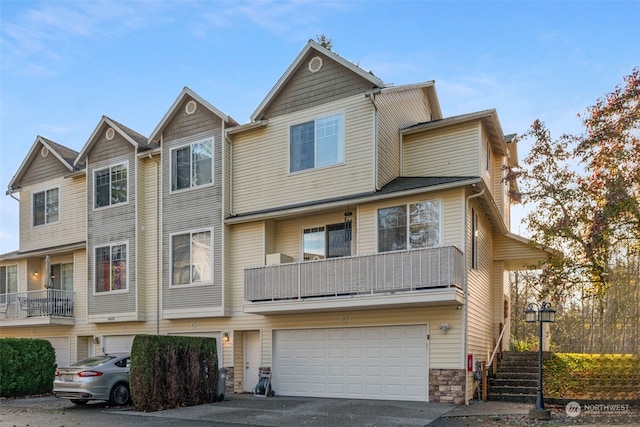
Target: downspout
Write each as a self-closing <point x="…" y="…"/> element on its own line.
<point x="226" y="137"/>
<point x="372" y="97"/>
<point x="222" y="226"/>
<point x="158" y="237"/>
<point x="465" y="312"/>
<point x="12" y="196"/>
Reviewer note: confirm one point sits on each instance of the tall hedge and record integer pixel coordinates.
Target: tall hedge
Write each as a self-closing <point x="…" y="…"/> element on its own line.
<point x="172" y="371"/>
<point x="27" y="366"/>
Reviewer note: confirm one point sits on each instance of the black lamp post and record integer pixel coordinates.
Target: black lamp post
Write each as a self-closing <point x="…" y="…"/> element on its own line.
<point x="542" y="314"/>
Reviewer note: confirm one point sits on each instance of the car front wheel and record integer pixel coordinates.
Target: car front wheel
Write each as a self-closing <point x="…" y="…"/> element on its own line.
<point x="120" y="394"/>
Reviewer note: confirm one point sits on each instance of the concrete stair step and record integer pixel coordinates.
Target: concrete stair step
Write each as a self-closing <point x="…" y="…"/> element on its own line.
<point x="511" y="382"/>
<point x="518" y="368"/>
<point x="523" y="398"/>
<point x="518" y="375"/>
<point x="513" y="390"/>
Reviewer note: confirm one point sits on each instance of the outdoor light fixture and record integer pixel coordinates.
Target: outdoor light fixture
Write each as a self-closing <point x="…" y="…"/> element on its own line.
<point x="445" y="328"/>
<point x="35" y="273"/>
<point x="225" y="337"/>
<point x="542" y="313"/>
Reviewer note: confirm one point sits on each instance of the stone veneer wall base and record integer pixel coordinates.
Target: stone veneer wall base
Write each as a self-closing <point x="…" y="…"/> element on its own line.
<point x="447" y="385"/>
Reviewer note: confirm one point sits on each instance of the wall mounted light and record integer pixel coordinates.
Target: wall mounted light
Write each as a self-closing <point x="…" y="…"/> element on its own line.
<point x="445" y="328"/>
<point x="96" y="339"/>
<point x="35" y="273"/>
<point x="225" y="337"/>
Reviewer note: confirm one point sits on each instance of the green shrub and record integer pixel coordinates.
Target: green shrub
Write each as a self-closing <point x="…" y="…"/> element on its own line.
<point x="592" y="376"/>
<point x="172" y="371"/>
<point x="519" y="345"/>
<point x="27" y="367"/>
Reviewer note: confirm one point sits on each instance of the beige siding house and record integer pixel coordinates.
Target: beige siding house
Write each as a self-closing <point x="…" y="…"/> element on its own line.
<point x="348" y="237"/>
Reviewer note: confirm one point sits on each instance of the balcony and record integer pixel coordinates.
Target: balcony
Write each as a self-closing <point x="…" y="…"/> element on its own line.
<point x="419" y="277"/>
<point x="42" y="307"/>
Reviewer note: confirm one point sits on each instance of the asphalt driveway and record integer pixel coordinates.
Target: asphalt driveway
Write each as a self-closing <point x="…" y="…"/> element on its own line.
<point x="237" y="410"/>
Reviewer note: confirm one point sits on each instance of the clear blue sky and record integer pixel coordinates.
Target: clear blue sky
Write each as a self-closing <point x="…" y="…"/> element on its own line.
<point x="64" y="64"/>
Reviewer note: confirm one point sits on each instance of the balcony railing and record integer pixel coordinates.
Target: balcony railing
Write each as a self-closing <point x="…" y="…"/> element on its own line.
<point x="41" y="303"/>
<point x="411" y="270"/>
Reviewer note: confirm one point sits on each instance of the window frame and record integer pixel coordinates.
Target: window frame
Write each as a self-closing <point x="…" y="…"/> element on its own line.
<point x="173" y="167"/>
<point x="4" y="282"/>
<point x="407" y="225"/>
<point x="33" y="207"/>
<point x="95" y="268"/>
<point x="190" y="233"/>
<point x="326" y="230"/>
<point x="487" y="154"/>
<point x="95" y="183"/>
<point x="57" y="280"/>
<point x="475" y="231"/>
<point x="340" y="142"/>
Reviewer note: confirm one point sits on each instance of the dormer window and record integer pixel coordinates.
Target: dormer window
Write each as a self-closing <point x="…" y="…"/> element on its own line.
<point x="317" y="143"/>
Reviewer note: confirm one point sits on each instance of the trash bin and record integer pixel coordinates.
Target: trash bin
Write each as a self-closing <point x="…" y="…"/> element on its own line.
<point x="221" y="384"/>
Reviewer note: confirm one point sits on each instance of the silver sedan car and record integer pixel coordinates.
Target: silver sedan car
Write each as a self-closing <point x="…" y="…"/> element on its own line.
<point x="103" y="377"/>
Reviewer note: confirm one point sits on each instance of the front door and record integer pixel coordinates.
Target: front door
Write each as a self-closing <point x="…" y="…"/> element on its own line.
<point x="251" y="359"/>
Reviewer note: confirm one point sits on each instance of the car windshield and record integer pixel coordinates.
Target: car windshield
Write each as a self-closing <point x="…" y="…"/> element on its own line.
<point x="94" y="361"/>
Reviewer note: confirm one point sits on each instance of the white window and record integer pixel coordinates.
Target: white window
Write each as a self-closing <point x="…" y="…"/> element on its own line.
<point x="62" y="276"/>
<point x="111" y="268"/>
<point x="474" y="239"/>
<point x="191" y="258"/>
<point x="487" y="165"/>
<point x="192" y="165"/>
<point x="110" y="185"/>
<point x="412" y="226"/>
<point x="8" y="283"/>
<point x="46" y="207"/>
<point x="317" y="143"/>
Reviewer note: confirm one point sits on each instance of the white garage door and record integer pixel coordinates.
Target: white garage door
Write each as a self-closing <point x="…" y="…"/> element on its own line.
<point x="387" y="362"/>
<point x="117" y="343"/>
<point x="61" y="346"/>
<point x="216" y="335"/>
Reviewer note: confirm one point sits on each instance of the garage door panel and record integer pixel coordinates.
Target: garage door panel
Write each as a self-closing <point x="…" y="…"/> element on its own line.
<point x="373" y="362"/>
<point x="61" y="347"/>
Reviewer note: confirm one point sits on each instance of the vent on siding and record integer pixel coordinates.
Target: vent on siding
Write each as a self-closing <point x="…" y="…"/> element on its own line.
<point x="44" y="152"/>
<point x="191" y="107"/>
<point x="110" y="133"/>
<point x="315" y="64"/>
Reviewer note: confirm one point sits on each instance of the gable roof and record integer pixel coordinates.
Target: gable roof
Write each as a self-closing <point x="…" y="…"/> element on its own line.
<point x="311" y="45"/>
<point x="134" y="138"/>
<point x="489" y="119"/>
<point x="429" y="88"/>
<point x="65" y="155"/>
<point x="155" y="135"/>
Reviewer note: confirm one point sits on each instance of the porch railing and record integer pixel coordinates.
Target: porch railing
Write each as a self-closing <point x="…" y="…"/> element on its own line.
<point x="45" y="302"/>
<point x="366" y="274"/>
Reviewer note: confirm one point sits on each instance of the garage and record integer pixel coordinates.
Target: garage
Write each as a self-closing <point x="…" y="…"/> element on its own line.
<point x="216" y="335"/>
<point x="61" y="346"/>
<point x="117" y="343"/>
<point x="383" y="362"/>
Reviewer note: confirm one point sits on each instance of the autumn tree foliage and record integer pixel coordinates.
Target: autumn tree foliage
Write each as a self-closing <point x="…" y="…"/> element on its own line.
<point x="584" y="191"/>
